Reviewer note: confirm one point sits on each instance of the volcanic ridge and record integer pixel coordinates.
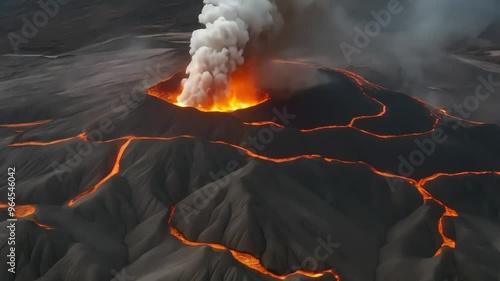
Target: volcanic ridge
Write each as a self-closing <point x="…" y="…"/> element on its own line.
<point x="344" y="180"/>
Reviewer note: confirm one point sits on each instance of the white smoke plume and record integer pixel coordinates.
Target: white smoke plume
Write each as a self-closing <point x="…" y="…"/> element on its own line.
<point x="219" y="48"/>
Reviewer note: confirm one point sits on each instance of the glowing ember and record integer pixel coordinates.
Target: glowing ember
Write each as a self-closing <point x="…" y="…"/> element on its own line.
<point x="18" y="125"/>
<point x="242" y="93"/>
<point x="21" y="211"/>
<point x="24" y="211"/>
<point x="47" y="227"/>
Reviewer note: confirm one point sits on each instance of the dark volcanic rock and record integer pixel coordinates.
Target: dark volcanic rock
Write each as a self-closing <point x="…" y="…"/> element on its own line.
<point x="340" y="184"/>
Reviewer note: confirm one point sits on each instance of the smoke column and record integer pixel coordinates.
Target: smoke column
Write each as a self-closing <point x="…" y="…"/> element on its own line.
<point x="218" y="49"/>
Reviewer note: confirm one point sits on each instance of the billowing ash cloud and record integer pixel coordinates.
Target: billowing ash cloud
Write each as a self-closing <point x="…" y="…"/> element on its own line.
<point x="219" y="48"/>
<point x="406" y="52"/>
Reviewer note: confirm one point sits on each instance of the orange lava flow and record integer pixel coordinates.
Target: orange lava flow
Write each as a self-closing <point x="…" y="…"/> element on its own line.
<point x="19" y="125"/>
<point x="426" y="195"/>
<point x="361" y="82"/>
<point x="116" y="166"/>
<point x="444" y="112"/>
<point x="20" y="211"/>
<point x="37" y="143"/>
<point x="23" y="211"/>
<point x="262" y="157"/>
<point x="47" y="227"/>
<point x="264" y="123"/>
<point x="250" y="261"/>
<point x="114" y="171"/>
<point x="240" y="85"/>
<point x="244" y="258"/>
<point x="449" y="212"/>
<point x="240" y="94"/>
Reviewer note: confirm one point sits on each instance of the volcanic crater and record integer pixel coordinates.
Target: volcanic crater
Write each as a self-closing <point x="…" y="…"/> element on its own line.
<point x="341" y="181"/>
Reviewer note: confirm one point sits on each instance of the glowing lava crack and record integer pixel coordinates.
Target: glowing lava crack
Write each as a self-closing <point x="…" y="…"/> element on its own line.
<point x="418" y="184"/>
<point x="244" y="258"/>
<point x="241" y="93"/>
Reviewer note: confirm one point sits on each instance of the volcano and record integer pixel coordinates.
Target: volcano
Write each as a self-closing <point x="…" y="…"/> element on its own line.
<point x="344" y="180"/>
<point x="242" y="93"/>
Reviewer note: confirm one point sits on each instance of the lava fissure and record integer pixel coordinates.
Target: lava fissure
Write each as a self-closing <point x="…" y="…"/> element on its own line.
<point x="360" y="82"/>
<point x="114" y="171"/>
<point x="251" y="261"/>
<point x="23" y="211"/>
<point x="47" y="227"/>
<point x="29" y="124"/>
<point x="37" y="143"/>
<point x="245" y="258"/>
<point x="170" y="97"/>
<point x="449" y="212"/>
<point x="445" y="113"/>
<point x="20" y="211"/>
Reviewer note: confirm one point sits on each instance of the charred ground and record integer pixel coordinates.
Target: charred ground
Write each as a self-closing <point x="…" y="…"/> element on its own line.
<point x="181" y="194"/>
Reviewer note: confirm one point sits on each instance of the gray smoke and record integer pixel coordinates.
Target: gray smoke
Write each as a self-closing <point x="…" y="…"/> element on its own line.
<point x="219" y="48"/>
<point x="407" y="48"/>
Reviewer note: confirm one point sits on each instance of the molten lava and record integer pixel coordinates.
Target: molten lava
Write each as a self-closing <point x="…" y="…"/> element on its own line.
<point x="114" y="171"/>
<point x="244" y="258"/>
<point x="30" y="124"/>
<point x="241" y="93"/>
<point x="47" y="227"/>
<point x="20" y="211"/>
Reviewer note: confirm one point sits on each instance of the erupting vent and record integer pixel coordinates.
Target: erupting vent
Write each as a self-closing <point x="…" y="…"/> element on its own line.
<point x="242" y="93"/>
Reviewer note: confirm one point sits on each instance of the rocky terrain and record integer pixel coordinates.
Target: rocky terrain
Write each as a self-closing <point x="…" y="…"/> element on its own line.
<point x="344" y="179"/>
